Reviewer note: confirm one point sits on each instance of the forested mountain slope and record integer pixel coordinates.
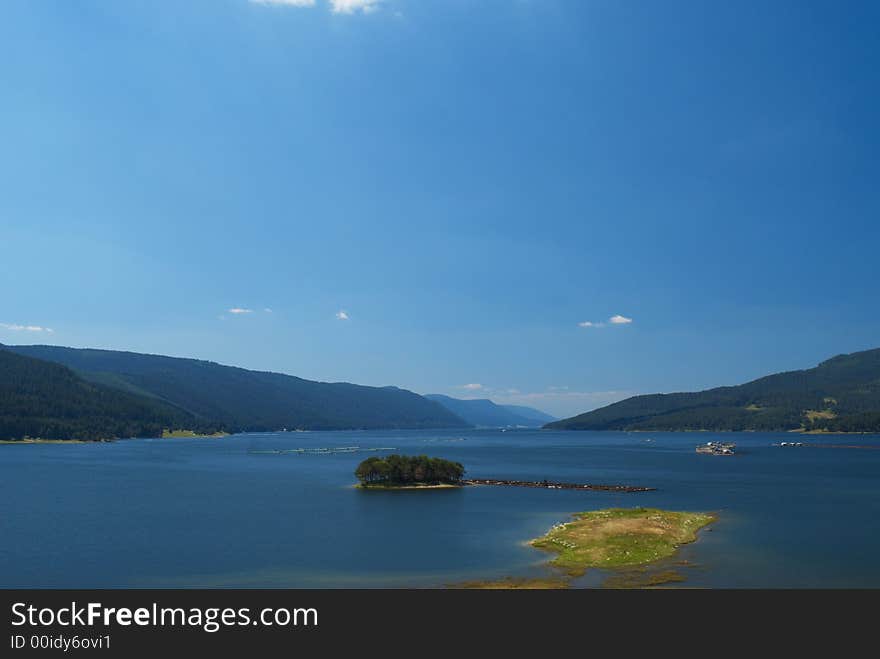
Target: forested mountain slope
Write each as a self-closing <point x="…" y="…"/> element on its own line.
<point x="39" y="399"/>
<point x="841" y="394"/>
<point x="243" y="400"/>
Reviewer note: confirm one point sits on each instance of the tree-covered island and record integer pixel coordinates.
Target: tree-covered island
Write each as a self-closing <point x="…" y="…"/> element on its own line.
<point x="407" y="471"/>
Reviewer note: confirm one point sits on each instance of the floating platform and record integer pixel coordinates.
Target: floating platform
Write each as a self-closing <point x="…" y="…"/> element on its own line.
<point x="717" y="448"/>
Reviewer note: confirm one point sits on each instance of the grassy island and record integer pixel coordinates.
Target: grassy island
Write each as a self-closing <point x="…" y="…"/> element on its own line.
<point x="630" y="542"/>
<point x="619" y="538"/>
<point x="408" y="472"/>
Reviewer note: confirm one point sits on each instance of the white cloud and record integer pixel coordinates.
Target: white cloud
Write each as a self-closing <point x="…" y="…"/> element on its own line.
<point x="239" y="310"/>
<point x="286" y="3"/>
<point x="354" y="6"/>
<point x="336" y="6"/>
<point x="474" y="386"/>
<point x="342" y="315"/>
<point x="12" y="327"/>
<point x="268" y="310"/>
<point x="614" y="320"/>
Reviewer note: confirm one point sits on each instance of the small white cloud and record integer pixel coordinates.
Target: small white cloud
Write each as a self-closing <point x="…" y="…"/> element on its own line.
<point x="285" y="3"/>
<point x="474" y="386"/>
<point x="12" y="327"/>
<point x="341" y="315"/>
<point x="239" y="310"/>
<point x="354" y="6"/>
<point x="336" y="6"/>
<point x="614" y="320"/>
<point x="268" y="310"/>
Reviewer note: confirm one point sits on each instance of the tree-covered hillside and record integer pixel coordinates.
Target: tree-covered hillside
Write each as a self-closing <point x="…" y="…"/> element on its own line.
<point x="243" y="400"/>
<point x="841" y="394"/>
<point x="40" y="399"/>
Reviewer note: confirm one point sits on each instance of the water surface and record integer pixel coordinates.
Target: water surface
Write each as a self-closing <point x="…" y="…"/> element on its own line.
<point x="219" y="512"/>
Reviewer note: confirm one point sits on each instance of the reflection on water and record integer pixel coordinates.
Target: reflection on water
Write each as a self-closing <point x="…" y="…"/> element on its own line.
<point x="253" y="511"/>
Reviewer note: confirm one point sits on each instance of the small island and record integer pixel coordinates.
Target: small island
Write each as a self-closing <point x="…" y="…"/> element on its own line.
<point x="619" y="538"/>
<point x="624" y="540"/>
<point x="408" y="472"/>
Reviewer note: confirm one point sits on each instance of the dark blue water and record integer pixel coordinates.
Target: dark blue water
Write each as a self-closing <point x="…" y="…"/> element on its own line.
<point x="169" y="513"/>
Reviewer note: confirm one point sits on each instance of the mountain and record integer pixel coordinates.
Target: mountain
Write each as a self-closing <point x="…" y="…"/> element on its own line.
<point x="241" y="400"/>
<point x="841" y="394"/>
<point x="537" y="417"/>
<point x="483" y="412"/>
<point x="44" y="400"/>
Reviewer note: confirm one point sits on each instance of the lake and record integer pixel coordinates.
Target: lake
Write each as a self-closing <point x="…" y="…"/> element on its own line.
<point x="231" y="513"/>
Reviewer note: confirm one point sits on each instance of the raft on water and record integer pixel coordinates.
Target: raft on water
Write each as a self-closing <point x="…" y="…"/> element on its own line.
<point x="557" y="486"/>
<point x="717" y="448"/>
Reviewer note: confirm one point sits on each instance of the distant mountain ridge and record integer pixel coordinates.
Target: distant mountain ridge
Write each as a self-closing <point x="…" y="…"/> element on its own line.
<point x="486" y="413"/>
<point x="531" y="414"/>
<point x="842" y="394"/>
<point x="236" y="399"/>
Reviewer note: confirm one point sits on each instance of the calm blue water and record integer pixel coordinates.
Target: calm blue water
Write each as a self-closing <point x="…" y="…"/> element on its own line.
<point x="169" y="513"/>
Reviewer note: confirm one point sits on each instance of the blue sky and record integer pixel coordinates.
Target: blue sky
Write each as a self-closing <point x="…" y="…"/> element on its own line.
<point x="451" y="196"/>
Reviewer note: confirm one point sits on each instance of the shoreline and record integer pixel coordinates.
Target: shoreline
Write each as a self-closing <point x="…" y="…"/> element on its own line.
<point x="189" y="434"/>
<point x="797" y="431"/>
<point x="220" y="435"/>
<point x="37" y="440"/>
<point x="835" y="432"/>
<point x="386" y="488"/>
<point x="179" y="434"/>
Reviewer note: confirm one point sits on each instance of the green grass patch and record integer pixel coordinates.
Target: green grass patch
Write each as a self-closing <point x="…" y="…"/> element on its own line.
<point x="619" y="538"/>
<point x="813" y="415"/>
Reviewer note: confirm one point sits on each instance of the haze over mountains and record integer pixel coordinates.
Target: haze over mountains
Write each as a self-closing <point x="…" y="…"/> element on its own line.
<point x="841" y="394"/>
<point x="483" y="412"/>
<point x="179" y="393"/>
